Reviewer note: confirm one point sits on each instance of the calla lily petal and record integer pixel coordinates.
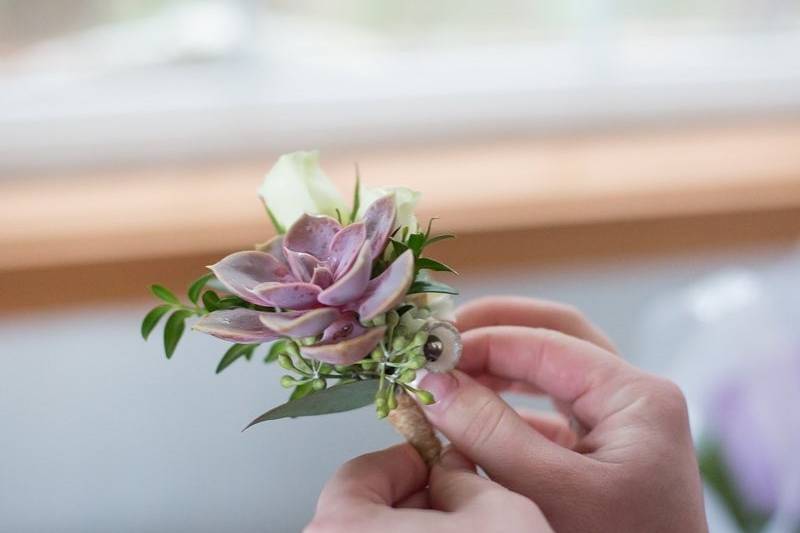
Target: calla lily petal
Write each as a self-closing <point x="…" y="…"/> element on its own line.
<point x="236" y="325"/>
<point x="379" y="220"/>
<point x="289" y="295"/>
<point x="241" y="272"/>
<point x="388" y="290"/>
<point x="296" y="324"/>
<point x="297" y="185"/>
<point x="345" y="246"/>
<point x="312" y="234"/>
<point x="345" y="352"/>
<point x="352" y="285"/>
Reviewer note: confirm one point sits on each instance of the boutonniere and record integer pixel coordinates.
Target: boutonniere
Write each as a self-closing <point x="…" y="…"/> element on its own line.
<point x="341" y="298"/>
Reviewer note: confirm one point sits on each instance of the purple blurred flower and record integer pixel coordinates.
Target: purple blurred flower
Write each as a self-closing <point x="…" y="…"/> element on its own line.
<point x="318" y="276"/>
<point x="755" y="421"/>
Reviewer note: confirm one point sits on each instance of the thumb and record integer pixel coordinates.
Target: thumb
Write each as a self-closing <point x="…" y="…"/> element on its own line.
<point x="455" y="485"/>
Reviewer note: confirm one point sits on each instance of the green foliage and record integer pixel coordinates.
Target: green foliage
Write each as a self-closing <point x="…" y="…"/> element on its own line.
<point x="152" y="318"/>
<point x="164" y="294"/>
<point x="194" y="289"/>
<point x="420" y="286"/>
<point x="279" y="229"/>
<point x="356" y="197"/>
<point x="235" y="352"/>
<point x="337" y="399"/>
<point x="173" y="330"/>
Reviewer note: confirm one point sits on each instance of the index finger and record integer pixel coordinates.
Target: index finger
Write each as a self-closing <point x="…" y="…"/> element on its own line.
<point x="385" y="477"/>
<point x="530" y="312"/>
<point x="570" y="370"/>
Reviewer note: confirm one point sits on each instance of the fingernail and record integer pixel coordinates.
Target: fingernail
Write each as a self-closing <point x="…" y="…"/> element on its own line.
<point x="453" y="460"/>
<point x="442" y="386"/>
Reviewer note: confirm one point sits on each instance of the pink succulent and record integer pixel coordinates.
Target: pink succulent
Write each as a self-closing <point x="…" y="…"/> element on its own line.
<point x="318" y="277"/>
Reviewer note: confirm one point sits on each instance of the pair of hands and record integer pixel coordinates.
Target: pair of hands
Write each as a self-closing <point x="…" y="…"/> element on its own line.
<point x="619" y="459"/>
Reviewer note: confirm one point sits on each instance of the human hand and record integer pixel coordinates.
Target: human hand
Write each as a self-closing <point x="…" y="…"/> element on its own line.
<point x="630" y="466"/>
<point x="386" y="492"/>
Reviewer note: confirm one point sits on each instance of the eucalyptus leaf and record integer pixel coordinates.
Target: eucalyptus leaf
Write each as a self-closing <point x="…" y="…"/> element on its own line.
<point x="432" y="264"/>
<point x="420" y="286"/>
<point x="152" y="318"/>
<point x="165" y="294"/>
<point x="235" y="352"/>
<point x="173" y="330"/>
<point x="197" y="286"/>
<point x="337" y="399"/>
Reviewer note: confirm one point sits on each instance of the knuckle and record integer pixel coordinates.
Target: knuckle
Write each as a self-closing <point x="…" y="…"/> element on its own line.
<point x="483" y="425"/>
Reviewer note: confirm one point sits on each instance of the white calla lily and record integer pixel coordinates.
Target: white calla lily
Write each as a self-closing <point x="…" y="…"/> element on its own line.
<point x="297" y="185"/>
<point x="405" y="201"/>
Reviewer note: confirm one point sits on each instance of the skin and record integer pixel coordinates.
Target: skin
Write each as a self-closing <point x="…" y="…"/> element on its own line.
<point x="619" y="458"/>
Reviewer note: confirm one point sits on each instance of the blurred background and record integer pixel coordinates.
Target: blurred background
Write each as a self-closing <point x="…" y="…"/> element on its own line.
<point x="640" y="160"/>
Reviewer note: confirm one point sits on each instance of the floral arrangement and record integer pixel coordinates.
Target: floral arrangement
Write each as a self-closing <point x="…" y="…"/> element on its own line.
<point x="341" y="297"/>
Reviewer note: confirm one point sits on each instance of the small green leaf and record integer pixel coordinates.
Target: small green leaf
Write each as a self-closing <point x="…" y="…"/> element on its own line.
<point x="336" y="399"/>
<point x="235" y="352"/>
<point x="164" y="294"/>
<point x="210" y="300"/>
<point x="197" y="286"/>
<point x="278" y="226"/>
<point x="277" y="348"/>
<point x="231" y="301"/>
<point x="173" y="330"/>
<point x="431" y="264"/>
<point x="356" y="197"/>
<point x="420" y="286"/>
<point x="151" y="319"/>
<point x="301" y="391"/>
<point x="438" y="238"/>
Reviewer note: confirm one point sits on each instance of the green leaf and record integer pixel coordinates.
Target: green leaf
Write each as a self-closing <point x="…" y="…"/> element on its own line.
<point x="231" y="301"/>
<point x="210" y="300"/>
<point x="301" y="391"/>
<point x="438" y="238"/>
<point x="151" y="319"/>
<point x="356" y="197"/>
<point x="277" y="348"/>
<point x="164" y="294"/>
<point x="431" y="264"/>
<point x="337" y="399"/>
<point x="430" y="223"/>
<point x="278" y="226"/>
<point x="430" y="286"/>
<point x="416" y="241"/>
<point x="197" y="286"/>
<point x="235" y="352"/>
<point x="173" y="330"/>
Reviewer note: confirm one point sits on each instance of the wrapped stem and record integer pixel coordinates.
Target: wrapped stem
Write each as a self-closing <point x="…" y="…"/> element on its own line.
<point x="409" y="420"/>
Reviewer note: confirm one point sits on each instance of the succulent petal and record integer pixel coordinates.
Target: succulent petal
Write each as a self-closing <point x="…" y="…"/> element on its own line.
<point x="322" y="277"/>
<point x="353" y="283"/>
<point x="348" y="351"/>
<point x="301" y="264"/>
<point x="241" y="272"/>
<point x="311" y="234"/>
<point x="300" y="324"/>
<point x="273" y="247"/>
<point x="379" y="220"/>
<point x="298" y="295"/>
<point x="345" y="246"/>
<point x="236" y="325"/>
<point x="345" y="327"/>
<point x="387" y="290"/>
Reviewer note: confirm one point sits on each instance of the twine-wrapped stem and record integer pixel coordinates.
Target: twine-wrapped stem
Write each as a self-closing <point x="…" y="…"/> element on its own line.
<point x="409" y="420"/>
